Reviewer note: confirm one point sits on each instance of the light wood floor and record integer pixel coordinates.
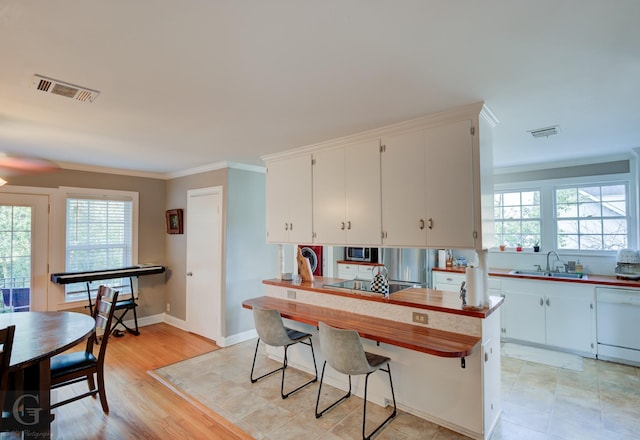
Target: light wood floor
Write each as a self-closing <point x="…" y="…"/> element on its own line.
<point x="140" y="406"/>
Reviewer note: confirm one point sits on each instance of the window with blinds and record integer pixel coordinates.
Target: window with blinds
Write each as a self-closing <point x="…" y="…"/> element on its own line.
<point x="98" y="236"/>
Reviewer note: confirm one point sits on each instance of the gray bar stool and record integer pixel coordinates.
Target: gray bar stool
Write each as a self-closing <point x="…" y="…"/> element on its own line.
<point x="272" y="332"/>
<point x="344" y="352"/>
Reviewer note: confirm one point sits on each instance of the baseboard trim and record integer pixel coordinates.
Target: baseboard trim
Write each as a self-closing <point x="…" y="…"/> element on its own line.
<point x="182" y="325"/>
<point x="176" y="322"/>
<point x="237" y="338"/>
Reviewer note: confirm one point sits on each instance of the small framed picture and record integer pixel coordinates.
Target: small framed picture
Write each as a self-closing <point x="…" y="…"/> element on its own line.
<point x="174" y="221"/>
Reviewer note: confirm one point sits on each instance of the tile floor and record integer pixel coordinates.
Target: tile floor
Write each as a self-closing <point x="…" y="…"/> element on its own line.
<point x="539" y="402"/>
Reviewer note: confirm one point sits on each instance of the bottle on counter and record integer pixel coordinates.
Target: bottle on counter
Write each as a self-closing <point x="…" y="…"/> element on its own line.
<point x="579" y="267"/>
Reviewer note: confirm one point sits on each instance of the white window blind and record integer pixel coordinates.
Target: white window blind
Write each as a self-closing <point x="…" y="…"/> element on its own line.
<point x="98" y="236"/>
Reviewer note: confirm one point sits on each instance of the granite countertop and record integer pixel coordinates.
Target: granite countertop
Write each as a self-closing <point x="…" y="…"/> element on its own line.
<point x="421" y="298"/>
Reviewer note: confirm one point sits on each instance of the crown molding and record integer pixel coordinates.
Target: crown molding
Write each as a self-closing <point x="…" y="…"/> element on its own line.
<point x="162" y="176"/>
<point x="108" y="170"/>
<point x="213" y="167"/>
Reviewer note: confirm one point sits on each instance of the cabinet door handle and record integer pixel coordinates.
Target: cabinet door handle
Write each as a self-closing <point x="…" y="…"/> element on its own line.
<point x="349" y="225"/>
<point x="286" y="226"/>
<point x="342" y="226"/>
<point x="541" y="302"/>
<point x="291" y="226"/>
<point x="430" y="223"/>
<point x="421" y="224"/>
<point x="548" y="302"/>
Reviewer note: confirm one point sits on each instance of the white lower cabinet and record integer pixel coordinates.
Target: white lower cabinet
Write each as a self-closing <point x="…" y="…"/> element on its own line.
<point x="349" y="271"/>
<point x="524" y="314"/>
<point x="448" y="281"/>
<point x="558" y="314"/>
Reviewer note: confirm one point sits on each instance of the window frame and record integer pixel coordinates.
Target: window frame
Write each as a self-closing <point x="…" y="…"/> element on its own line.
<point x="65" y="193"/>
<point x="547" y="202"/>
<point x="520" y="219"/>
<point x="578" y="218"/>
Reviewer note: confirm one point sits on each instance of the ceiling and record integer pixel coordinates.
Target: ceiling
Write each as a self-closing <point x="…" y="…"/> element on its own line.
<point x="190" y="83"/>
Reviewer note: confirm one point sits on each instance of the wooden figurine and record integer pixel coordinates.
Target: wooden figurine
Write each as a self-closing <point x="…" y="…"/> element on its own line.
<point x="304" y="266"/>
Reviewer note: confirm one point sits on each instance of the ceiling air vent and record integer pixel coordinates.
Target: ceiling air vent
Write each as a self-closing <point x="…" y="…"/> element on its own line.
<point x="61" y="88"/>
<point x="544" y="132"/>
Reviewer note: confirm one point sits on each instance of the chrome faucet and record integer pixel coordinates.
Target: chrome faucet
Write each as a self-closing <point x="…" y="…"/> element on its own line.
<point x="548" y="269"/>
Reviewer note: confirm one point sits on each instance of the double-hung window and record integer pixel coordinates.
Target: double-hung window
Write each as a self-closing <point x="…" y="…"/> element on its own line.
<point x="101" y="233"/>
<point x="592" y="217"/>
<point x="517" y="217"/>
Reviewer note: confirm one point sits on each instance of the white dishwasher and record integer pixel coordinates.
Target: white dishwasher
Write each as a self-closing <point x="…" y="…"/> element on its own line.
<point x="617" y="324"/>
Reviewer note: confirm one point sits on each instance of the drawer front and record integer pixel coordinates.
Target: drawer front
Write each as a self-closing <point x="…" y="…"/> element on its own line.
<point x="448" y="281"/>
<point x="348" y="271"/>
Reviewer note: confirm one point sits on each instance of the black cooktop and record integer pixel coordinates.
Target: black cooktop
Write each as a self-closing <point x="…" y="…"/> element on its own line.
<point x="365" y="285"/>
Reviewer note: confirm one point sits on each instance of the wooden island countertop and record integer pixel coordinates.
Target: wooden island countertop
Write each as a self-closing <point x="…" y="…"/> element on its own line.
<point x="427" y="340"/>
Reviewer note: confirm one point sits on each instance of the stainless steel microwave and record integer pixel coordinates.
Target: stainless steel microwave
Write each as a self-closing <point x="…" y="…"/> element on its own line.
<point x="361" y="254"/>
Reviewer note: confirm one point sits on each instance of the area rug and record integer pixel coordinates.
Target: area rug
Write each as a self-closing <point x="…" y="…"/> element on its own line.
<point x="218" y="384"/>
<point x="543" y="356"/>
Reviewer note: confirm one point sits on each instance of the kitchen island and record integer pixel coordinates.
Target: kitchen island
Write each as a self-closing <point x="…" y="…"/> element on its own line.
<point x="445" y="358"/>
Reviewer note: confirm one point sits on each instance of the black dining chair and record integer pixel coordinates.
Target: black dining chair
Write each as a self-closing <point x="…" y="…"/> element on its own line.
<point x="6" y="339"/>
<point x="70" y="368"/>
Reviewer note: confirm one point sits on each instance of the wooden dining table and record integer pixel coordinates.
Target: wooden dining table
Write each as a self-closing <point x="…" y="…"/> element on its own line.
<point x="38" y="337"/>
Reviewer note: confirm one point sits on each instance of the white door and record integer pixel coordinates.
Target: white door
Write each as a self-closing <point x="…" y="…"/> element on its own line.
<point x="204" y="262"/>
<point x="24" y="244"/>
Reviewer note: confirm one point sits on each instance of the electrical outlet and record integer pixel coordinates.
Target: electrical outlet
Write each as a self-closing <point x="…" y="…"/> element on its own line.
<point x="420" y="318"/>
<point x="168" y="307"/>
<point x="291" y="294"/>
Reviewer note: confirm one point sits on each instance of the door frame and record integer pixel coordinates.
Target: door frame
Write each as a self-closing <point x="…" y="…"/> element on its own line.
<point x="41" y="233"/>
<point x="219" y="301"/>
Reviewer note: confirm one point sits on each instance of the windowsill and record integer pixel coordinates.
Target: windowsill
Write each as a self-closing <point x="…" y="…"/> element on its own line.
<point x="567" y="253"/>
<point x="513" y="251"/>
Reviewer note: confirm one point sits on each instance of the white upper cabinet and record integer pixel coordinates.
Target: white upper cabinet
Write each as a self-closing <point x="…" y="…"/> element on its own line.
<point x="431" y="186"/>
<point x="450" y="186"/>
<point x="346" y="194"/>
<point x="404" y="198"/>
<point x="428" y="187"/>
<point x="288" y="200"/>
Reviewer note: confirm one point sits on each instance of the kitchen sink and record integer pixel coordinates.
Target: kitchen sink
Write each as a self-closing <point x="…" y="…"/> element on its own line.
<point x="537" y="273"/>
<point x="577" y="276"/>
<point x="530" y="273"/>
